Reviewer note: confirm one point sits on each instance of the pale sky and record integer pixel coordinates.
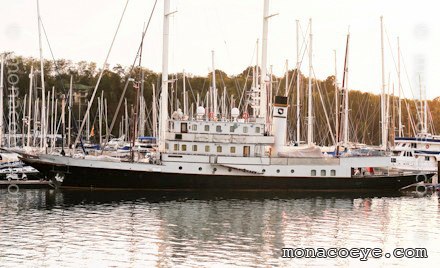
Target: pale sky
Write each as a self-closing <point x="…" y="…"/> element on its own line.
<point x="83" y="29"/>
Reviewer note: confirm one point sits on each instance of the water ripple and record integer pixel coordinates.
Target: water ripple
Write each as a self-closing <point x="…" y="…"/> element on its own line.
<point x="46" y="228"/>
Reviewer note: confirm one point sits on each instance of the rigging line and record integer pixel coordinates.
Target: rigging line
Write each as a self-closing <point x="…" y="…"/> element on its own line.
<point x="304" y="45"/>
<point x="395" y="66"/>
<point x="75" y="124"/>
<point x="237" y="86"/>
<point x="242" y="93"/>
<point x="100" y="77"/>
<point x="192" y="91"/>
<point x="128" y="80"/>
<point x="412" y="93"/>
<point x="325" y="110"/>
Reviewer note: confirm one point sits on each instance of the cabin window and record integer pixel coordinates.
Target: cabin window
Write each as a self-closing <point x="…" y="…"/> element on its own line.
<point x="183" y="147"/>
<point x="426" y="158"/>
<point x="232" y="129"/>
<point x="332" y="172"/>
<point x="245" y="129"/>
<point x="176" y="147"/>
<point x="207" y="148"/>
<point x="184" y="127"/>
<point x="232" y="150"/>
<point x="218" y="128"/>
<point x="194" y="147"/>
<point x="413" y="145"/>
<point x="323" y="172"/>
<point x="246" y="151"/>
<point x="167" y="146"/>
<point x="313" y="172"/>
<point x="206" y="127"/>
<point x="257" y="130"/>
<point x="219" y="149"/>
<point x="194" y="127"/>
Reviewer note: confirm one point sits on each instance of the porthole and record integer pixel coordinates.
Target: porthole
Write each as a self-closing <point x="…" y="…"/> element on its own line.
<point x="180" y="168"/>
<point x="278" y="171"/>
<point x="229" y="169"/>
<point x="263" y="170"/>
<point x="292" y="171"/>
<point x="200" y="168"/>
<point x="214" y="169"/>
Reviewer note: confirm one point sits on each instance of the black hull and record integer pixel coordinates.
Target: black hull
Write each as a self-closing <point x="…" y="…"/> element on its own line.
<point x="96" y="178"/>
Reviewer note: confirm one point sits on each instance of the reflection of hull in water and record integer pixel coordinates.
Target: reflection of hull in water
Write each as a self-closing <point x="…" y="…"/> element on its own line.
<point x="100" y="174"/>
<point x="74" y="196"/>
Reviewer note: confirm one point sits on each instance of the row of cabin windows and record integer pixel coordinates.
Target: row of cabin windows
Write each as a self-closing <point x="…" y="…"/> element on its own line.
<point x="207" y="148"/>
<point x="323" y="172"/>
<point x="231" y="129"/>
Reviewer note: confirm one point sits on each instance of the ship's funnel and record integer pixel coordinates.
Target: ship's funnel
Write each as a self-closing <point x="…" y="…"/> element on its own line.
<point x="279" y="123"/>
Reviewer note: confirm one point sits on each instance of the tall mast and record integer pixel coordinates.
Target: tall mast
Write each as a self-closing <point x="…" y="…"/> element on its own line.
<point x="382" y="96"/>
<point x="154" y="112"/>
<point x="43" y="89"/>
<point x="287" y="78"/>
<point x="69" y="123"/>
<point x="2" y="59"/>
<point x="345" y="88"/>
<point x="185" y="104"/>
<point x="100" y="109"/>
<point x="28" y="138"/>
<point x="400" y="89"/>
<point x="425" y="112"/>
<point x="336" y="103"/>
<point x="257" y="99"/>
<point x="298" y="119"/>
<point x="310" y="101"/>
<point x="214" y="89"/>
<point x="164" y="92"/>
<point x="52" y="121"/>
<point x="263" y="95"/>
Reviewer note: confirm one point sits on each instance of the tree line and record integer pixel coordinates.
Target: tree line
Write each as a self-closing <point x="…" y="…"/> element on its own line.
<point x="364" y="107"/>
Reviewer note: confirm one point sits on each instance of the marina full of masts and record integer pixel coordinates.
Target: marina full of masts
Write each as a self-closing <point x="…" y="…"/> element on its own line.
<point x="255" y="124"/>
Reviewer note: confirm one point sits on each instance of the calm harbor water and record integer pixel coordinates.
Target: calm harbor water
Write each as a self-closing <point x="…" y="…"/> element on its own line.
<point x="48" y="228"/>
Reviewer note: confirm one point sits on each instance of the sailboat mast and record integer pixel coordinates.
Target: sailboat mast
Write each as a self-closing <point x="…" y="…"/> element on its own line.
<point x="346" y="136"/>
<point x="154" y="112"/>
<point x="310" y="101"/>
<point x="2" y="59"/>
<point x="69" y="123"/>
<point x="263" y="94"/>
<point x="31" y="77"/>
<point x="336" y="103"/>
<point x="43" y="89"/>
<point x="287" y="79"/>
<point x="185" y="105"/>
<point x="400" y="89"/>
<point x="382" y="96"/>
<point x="214" y="89"/>
<point x="298" y="119"/>
<point x="425" y="112"/>
<point x="164" y="92"/>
